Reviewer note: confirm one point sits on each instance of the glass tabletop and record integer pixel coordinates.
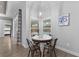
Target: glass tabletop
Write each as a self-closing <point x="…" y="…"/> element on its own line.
<point x="42" y="37"/>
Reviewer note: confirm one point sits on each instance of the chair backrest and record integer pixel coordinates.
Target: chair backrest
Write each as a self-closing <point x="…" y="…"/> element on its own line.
<point x="33" y="35"/>
<point x="50" y="35"/>
<point x="55" y="41"/>
<point x="29" y="43"/>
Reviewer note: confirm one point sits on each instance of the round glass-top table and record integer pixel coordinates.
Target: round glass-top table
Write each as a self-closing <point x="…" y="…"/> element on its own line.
<point x="41" y="39"/>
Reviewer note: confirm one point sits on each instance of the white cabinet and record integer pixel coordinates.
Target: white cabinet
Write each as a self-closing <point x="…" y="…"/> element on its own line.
<point x="34" y="27"/>
<point x="40" y="26"/>
<point x="47" y="26"/>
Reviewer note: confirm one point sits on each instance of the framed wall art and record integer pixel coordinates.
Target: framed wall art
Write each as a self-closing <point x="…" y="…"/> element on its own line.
<point x="64" y="20"/>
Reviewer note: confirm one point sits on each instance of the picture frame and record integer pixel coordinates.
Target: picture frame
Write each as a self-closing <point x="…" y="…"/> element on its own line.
<point x="64" y="20"/>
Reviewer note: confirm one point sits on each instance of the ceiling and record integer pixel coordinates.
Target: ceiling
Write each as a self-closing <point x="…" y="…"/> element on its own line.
<point x="44" y="7"/>
<point x="3" y="7"/>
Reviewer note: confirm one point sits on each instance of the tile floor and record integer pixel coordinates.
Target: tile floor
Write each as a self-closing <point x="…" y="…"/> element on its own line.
<point x="8" y="48"/>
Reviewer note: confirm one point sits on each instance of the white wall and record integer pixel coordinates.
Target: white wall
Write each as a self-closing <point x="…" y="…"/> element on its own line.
<point x="26" y="25"/>
<point x="72" y="30"/>
<point x="2" y="23"/>
<point x="12" y="10"/>
<point x="15" y="27"/>
<point x="68" y="35"/>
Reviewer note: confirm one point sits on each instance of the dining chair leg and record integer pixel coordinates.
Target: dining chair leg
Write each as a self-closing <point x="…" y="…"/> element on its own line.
<point x="50" y="51"/>
<point x="29" y="53"/>
<point x="43" y="51"/>
<point x="40" y="52"/>
<point x="55" y="53"/>
<point x="32" y="53"/>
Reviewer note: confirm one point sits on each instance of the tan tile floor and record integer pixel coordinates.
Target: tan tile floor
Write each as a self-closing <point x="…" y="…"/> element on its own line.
<point x="8" y="48"/>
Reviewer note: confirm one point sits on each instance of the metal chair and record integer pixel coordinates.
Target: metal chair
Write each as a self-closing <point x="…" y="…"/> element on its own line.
<point x="33" y="48"/>
<point x="50" y="48"/>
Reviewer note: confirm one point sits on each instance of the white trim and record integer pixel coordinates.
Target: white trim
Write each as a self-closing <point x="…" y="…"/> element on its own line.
<point x="1" y="36"/>
<point x="24" y="45"/>
<point x="68" y="51"/>
<point x="63" y="49"/>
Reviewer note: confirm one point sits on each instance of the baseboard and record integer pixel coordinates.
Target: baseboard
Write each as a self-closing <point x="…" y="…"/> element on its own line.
<point x="68" y="51"/>
<point x="24" y="45"/>
<point x="2" y="37"/>
<point x="63" y="49"/>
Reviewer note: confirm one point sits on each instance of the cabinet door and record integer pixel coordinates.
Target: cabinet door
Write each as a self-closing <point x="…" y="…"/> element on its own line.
<point x="34" y="27"/>
<point x="47" y="26"/>
<point x="40" y="27"/>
